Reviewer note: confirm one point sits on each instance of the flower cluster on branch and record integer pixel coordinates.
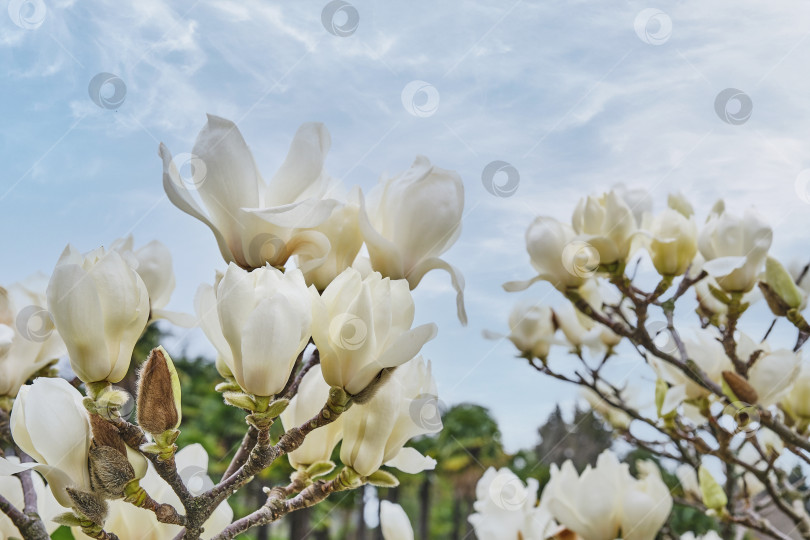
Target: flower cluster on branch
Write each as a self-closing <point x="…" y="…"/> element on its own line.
<point x="306" y="328"/>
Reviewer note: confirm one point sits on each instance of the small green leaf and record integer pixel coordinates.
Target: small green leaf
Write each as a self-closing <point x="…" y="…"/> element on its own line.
<point x="320" y="468"/>
<point x="713" y="495"/>
<point x="383" y="479"/>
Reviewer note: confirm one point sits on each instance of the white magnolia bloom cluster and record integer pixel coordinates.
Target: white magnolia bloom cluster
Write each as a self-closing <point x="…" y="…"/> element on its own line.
<point x="603" y="503"/>
<point x="295" y="279"/>
<point x="717" y="390"/>
<point x="407" y="222"/>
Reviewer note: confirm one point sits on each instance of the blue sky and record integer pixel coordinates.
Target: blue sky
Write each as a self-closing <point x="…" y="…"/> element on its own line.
<point x="568" y="93"/>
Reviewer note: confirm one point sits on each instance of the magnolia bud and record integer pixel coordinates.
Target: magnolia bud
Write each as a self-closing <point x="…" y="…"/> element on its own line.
<point x="89" y="505"/>
<point x="740" y="387"/>
<point x="110" y="472"/>
<point x="159" y="393"/>
<point x="779" y="289"/>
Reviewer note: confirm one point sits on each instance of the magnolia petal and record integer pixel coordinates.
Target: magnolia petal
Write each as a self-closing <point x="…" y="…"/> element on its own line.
<point x="456" y="278"/>
<point x="403" y="348"/>
<point x="303" y="167"/>
<point x="179" y="195"/>
<point x="516" y="286"/>
<point x="394" y="522"/>
<point x="410" y="460"/>
<point x="297" y="215"/>
<point x="384" y="255"/>
<point x="314" y="244"/>
<point x="177" y="318"/>
<point x="722" y="266"/>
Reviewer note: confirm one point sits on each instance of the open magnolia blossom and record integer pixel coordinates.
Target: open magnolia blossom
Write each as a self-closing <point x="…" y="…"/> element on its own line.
<point x="375" y="433"/>
<point x="506" y="509"/>
<point x="409" y="220"/>
<point x="607" y="223"/>
<point x="100" y="307"/>
<point x="254" y="223"/>
<point x="363" y="326"/>
<point x="606" y="499"/>
<point x="28" y="343"/>
<point x="734" y="247"/>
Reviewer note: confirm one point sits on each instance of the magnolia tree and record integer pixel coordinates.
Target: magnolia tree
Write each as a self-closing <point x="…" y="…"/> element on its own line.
<point x="308" y="333"/>
<point x="727" y="413"/>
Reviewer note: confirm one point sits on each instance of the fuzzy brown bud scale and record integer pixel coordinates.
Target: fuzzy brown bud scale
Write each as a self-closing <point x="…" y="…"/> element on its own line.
<point x="158" y="394"/>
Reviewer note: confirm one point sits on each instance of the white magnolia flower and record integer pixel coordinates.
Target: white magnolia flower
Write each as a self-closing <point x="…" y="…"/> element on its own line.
<point x="708" y="354"/>
<point x="311" y="397"/>
<point x="614" y="416"/>
<point x="589" y="504"/>
<point x="394" y="522"/>
<point x="735" y="248"/>
<point x="606" y="223"/>
<point x="646" y="504"/>
<point x="506" y="509"/>
<point x="403" y="408"/>
<point x="254" y="223"/>
<point x="153" y="262"/>
<point x="28" y="341"/>
<point x="773" y="372"/>
<point x="409" y="220"/>
<point x="266" y="318"/>
<point x="50" y="424"/>
<point x="343" y="231"/>
<point x="797" y="401"/>
<point x="582" y="331"/>
<point x="362" y="326"/>
<point x="100" y="307"/>
<point x="673" y="242"/>
<point x="132" y="523"/>
<point x="47" y="507"/>
<point x="532" y="329"/>
<point x="556" y="255"/>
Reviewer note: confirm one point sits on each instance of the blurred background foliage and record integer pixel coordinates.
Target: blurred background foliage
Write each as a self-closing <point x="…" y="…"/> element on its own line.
<point x="438" y="502"/>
